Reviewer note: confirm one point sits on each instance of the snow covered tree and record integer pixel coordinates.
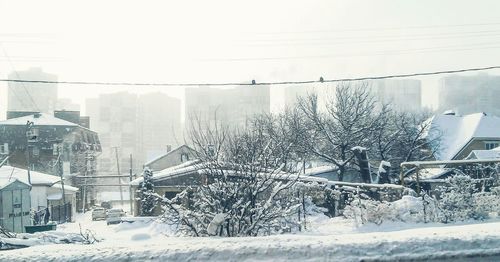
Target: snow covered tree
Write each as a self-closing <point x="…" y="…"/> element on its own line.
<point x="246" y="191"/>
<point x="347" y="122"/>
<point x="148" y="198"/>
<point x="404" y="137"/>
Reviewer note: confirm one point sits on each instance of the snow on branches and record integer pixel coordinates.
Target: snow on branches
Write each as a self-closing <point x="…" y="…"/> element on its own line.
<point x="147" y="196"/>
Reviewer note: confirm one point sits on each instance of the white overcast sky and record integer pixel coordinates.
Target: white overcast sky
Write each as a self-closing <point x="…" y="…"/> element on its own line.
<point x="236" y="41"/>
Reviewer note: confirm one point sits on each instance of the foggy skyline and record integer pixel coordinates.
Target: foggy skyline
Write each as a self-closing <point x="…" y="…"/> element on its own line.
<point x="238" y="42"/>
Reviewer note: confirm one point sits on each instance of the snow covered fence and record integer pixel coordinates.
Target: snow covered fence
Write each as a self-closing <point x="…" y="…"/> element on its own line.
<point x="459" y="200"/>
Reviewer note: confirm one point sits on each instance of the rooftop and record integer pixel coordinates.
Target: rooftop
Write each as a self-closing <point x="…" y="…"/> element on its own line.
<point x="457" y="131"/>
<point x="9" y="174"/>
<point x="42" y="120"/>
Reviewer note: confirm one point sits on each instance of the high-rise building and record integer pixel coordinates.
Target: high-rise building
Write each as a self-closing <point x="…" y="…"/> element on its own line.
<point x="159" y="125"/>
<point x="230" y="106"/>
<point x="402" y="94"/>
<point x="114" y="117"/>
<point x="294" y="93"/>
<point x="470" y="94"/>
<point x="37" y="97"/>
<point x="143" y="126"/>
<point x="66" y="104"/>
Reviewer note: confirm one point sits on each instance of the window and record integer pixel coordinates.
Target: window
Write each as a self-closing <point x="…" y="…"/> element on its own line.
<point x="4" y="149"/>
<point x="491" y="145"/>
<point x="184" y="157"/>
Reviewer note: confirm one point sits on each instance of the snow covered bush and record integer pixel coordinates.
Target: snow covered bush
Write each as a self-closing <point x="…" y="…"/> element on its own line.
<point x="148" y="198"/>
<point x="460" y="200"/>
<point x="457" y="199"/>
<point x="409" y="208"/>
<point x="235" y="208"/>
<point x="249" y="187"/>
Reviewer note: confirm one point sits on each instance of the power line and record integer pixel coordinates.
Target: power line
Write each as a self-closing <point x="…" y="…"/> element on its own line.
<point x="382" y="28"/>
<point x="22" y="83"/>
<point x="449" y="48"/>
<point x="252" y="83"/>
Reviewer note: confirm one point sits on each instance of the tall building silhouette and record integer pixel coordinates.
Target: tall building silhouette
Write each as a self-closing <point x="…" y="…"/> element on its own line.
<point x="470" y="94"/>
<point x="38" y="97"/>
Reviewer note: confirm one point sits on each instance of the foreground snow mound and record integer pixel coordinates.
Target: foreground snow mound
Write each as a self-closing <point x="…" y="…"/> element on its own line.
<point x="45" y="238"/>
<point x="370" y="242"/>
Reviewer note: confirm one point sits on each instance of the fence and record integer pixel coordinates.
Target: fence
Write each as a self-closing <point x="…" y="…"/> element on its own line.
<point x="61" y="213"/>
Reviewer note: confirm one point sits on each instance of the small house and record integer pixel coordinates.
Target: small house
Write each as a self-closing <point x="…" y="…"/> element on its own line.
<point x="46" y="191"/>
<point x="15" y="204"/>
<point x="172" y="158"/>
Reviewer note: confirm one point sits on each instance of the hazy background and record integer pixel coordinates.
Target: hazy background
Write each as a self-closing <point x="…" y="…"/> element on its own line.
<point x="236" y="41"/>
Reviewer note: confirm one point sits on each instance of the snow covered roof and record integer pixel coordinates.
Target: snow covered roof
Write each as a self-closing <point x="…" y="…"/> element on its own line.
<point x="457" y="131"/>
<point x="166" y="154"/>
<point x="37" y="178"/>
<point x="9" y="173"/>
<point x="188" y="166"/>
<point x="197" y="166"/>
<point x="42" y="120"/>
<point x="484" y="154"/>
<point x="433" y="173"/>
<point x="66" y="188"/>
<point x="314" y="171"/>
<point x="5" y="181"/>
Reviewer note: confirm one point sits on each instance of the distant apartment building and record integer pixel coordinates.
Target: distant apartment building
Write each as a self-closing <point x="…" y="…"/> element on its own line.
<point x="144" y="126"/>
<point x="294" y="93"/>
<point x="66" y="104"/>
<point x="34" y="97"/>
<point x="470" y="94"/>
<point x="229" y="106"/>
<point x="402" y="94"/>
<point x="159" y="125"/>
<point x="114" y="117"/>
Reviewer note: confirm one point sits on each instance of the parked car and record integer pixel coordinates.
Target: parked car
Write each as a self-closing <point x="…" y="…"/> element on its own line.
<point x="98" y="213"/>
<point x="106" y="205"/>
<point x="114" y="216"/>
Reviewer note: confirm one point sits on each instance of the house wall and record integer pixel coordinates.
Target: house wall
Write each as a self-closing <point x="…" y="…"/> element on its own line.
<point x="76" y="143"/>
<point x="476" y="144"/>
<point x="38" y="197"/>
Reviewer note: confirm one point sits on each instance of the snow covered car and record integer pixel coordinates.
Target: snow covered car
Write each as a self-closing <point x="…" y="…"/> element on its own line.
<point x="114" y="216"/>
<point x="98" y="213"/>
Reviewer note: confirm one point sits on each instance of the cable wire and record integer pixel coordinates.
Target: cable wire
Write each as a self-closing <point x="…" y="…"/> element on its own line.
<point x="253" y="82"/>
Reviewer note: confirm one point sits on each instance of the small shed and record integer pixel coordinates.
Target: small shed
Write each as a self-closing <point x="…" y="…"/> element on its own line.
<point x="15" y="204"/>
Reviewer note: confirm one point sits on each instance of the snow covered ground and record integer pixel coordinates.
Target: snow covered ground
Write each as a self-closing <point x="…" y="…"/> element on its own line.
<point x="331" y="240"/>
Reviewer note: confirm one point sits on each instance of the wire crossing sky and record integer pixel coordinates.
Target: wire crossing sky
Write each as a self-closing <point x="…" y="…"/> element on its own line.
<point x="162" y="44"/>
<point x="253" y="82"/>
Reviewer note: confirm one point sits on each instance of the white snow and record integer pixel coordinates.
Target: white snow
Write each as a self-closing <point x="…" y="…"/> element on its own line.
<point x="457" y="131"/>
<point x="484" y="154"/>
<point x="42" y="120"/>
<point x="214" y="224"/>
<point x="326" y="240"/>
<point x="186" y="167"/>
<point x="37" y="178"/>
<point x="358" y="148"/>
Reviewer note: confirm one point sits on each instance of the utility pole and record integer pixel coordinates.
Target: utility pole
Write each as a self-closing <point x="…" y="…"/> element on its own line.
<point x="29" y="126"/>
<point x="131" y="194"/>
<point x="119" y="178"/>
<point x="84" y="188"/>
<point x="60" y="170"/>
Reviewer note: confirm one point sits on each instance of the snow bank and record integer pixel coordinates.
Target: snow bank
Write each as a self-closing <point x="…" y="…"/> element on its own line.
<point x="347" y="243"/>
